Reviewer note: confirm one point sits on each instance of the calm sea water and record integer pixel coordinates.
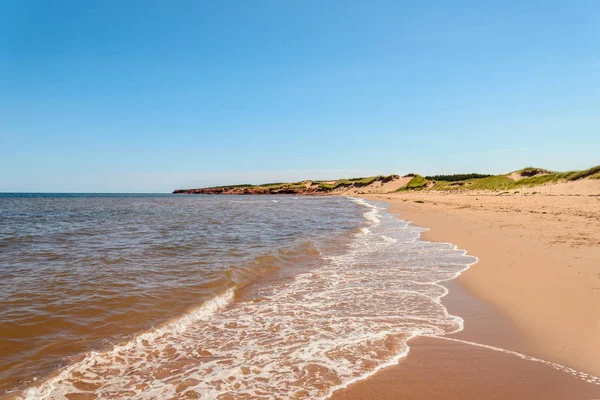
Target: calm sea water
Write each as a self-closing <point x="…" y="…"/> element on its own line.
<point x="160" y="296"/>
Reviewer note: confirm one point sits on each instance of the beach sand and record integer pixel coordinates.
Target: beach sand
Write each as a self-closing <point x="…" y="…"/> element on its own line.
<point x="535" y="291"/>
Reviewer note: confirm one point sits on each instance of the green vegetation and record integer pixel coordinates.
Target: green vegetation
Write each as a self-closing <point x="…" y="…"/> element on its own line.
<point x="327" y="186"/>
<point x="356" y="182"/>
<point x="418" y="182"/>
<point x="539" y="180"/>
<point x="265" y="187"/>
<point x="527" y="177"/>
<point x="364" y="181"/>
<point x="456" y="177"/>
<point x="505" y="184"/>
<point x="532" y="171"/>
<point x="501" y="182"/>
<point x="498" y="183"/>
<point x="277" y="186"/>
<point x="552" y="177"/>
<point x="323" y="186"/>
<point x="337" y="184"/>
<point x="273" y="184"/>
<point x="588" y="173"/>
<point x="242" y="186"/>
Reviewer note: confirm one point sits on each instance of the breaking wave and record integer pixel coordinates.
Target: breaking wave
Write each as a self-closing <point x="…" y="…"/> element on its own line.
<point x="303" y="337"/>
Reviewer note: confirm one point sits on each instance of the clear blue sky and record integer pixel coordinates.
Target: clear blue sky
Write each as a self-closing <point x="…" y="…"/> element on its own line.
<point x="149" y="96"/>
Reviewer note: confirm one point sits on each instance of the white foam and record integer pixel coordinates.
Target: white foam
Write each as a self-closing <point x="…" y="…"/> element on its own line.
<point x="389" y="239"/>
<point x="559" y="367"/>
<point x="202" y="313"/>
<point x="372" y="215"/>
<point x="304" y="339"/>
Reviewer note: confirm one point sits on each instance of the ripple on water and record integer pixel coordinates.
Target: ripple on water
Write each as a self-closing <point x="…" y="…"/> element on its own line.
<point x="306" y="336"/>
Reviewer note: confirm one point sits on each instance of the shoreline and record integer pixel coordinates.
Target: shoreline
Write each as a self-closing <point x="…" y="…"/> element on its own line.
<point x="446" y="367"/>
<point x="492" y="356"/>
<point x="431" y="369"/>
<point x="539" y="264"/>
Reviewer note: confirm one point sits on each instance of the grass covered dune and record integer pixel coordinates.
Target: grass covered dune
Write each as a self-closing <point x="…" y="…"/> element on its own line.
<point x="303" y="187"/>
<point x="527" y="177"/>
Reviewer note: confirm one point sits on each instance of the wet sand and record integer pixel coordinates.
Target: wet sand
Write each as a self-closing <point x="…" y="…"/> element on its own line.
<point x="535" y="290"/>
<point x="436" y="368"/>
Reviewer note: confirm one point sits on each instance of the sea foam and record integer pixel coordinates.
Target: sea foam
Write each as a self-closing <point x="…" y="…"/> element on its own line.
<point x="319" y="331"/>
<point x="302" y="338"/>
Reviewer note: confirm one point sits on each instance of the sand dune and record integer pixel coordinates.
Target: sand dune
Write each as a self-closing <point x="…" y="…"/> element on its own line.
<point x="539" y="260"/>
<point x="535" y="291"/>
<point x="376" y="187"/>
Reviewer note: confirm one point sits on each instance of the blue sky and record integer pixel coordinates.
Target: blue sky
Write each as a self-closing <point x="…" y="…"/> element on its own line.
<point x="148" y="96"/>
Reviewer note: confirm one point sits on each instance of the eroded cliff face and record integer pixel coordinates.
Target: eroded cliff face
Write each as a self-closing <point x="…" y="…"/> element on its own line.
<point x="251" y="191"/>
<point x="374" y="184"/>
<point x="522" y="180"/>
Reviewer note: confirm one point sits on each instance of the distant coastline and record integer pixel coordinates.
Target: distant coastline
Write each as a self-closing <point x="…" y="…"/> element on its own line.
<point x="303" y="187"/>
<point x="508" y="183"/>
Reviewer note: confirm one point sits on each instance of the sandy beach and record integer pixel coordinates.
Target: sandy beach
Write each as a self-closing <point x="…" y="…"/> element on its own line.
<point x="535" y="291"/>
<point x="308" y="200"/>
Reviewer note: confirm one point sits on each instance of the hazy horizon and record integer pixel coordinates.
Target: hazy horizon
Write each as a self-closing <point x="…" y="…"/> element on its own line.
<point x="133" y="97"/>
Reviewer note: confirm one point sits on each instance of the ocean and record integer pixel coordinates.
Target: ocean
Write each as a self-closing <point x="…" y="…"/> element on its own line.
<point x="212" y="297"/>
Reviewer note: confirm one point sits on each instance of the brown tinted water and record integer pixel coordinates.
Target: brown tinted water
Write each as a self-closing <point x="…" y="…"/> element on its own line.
<point x="211" y="297"/>
<point x="83" y="272"/>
